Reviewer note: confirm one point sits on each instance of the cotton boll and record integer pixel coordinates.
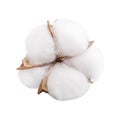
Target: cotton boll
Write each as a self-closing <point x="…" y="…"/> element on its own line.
<point x="66" y="83"/>
<point x="90" y="63"/>
<point x="32" y="77"/>
<point x="71" y="38"/>
<point x="40" y="46"/>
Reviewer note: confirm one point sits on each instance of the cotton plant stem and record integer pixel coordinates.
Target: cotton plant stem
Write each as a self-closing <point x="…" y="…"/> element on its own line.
<point x="90" y="43"/>
<point x="43" y="86"/>
<point x="25" y="65"/>
<point x="32" y="66"/>
<point x="51" y="30"/>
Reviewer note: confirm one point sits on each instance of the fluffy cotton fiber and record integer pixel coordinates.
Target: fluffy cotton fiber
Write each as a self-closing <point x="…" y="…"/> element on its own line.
<point x="40" y="46"/>
<point x="71" y="38"/>
<point x="89" y="63"/>
<point x="69" y="78"/>
<point x="32" y="77"/>
<point x="66" y="83"/>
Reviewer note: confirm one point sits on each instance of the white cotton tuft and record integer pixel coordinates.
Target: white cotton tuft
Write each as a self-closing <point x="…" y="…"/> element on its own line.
<point x="40" y="46"/>
<point x="32" y="77"/>
<point x="71" y="38"/>
<point x="66" y="45"/>
<point x="66" y="83"/>
<point x="90" y="63"/>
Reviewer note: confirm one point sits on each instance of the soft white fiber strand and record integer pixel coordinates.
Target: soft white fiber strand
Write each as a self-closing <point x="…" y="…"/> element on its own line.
<point x="71" y="37"/>
<point x="90" y="63"/>
<point x="40" y="46"/>
<point x="32" y="77"/>
<point x="66" y="83"/>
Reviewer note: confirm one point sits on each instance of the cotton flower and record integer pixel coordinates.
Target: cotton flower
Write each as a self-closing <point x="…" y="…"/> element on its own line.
<point x="60" y="60"/>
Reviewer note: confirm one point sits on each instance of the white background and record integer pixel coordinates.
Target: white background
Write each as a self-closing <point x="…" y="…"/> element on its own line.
<point x="101" y="19"/>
